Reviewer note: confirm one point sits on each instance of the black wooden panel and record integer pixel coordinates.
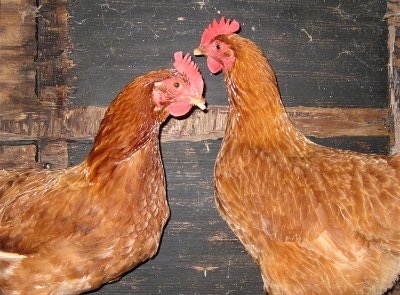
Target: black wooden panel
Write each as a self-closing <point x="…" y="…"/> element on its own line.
<point x="330" y="53"/>
<point x="78" y="150"/>
<point x="369" y="145"/>
<point x="199" y="254"/>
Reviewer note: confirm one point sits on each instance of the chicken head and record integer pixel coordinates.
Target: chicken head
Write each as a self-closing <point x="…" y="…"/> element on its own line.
<point x="220" y="55"/>
<point x="177" y="94"/>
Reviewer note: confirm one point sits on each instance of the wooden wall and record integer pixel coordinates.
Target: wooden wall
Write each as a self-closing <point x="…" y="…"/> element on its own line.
<point x="393" y="20"/>
<point x="86" y="51"/>
<point x="66" y="60"/>
<point x="17" y="50"/>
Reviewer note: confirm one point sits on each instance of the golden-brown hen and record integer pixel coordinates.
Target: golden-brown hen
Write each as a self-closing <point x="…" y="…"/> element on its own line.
<point x="318" y="220"/>
<point x="72" y="230"/>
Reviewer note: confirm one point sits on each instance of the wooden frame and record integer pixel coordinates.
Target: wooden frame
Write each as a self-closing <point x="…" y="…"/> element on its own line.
<point x="393" y="19"/>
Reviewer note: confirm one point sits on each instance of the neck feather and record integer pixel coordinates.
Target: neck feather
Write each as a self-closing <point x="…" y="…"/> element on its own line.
<point x="129" y="123"/>
<point x="255" y="103"/>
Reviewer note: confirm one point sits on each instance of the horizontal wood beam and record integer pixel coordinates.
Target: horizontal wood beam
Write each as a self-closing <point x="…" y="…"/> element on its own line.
<point x="312" y="121"/>
<point x="82" y="123"/>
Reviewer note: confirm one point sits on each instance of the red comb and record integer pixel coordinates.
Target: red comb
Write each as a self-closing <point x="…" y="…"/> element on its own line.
<point x="223" y="27"/>
<point x="187" y="67"/>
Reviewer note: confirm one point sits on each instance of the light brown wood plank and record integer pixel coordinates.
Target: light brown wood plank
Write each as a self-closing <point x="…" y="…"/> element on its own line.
<point x="17" y="50"/>
<point x="23" y="156"/>
<point x="53" y="154"/>
<point x="83" y="122"/>
<point x="393" y="18"/>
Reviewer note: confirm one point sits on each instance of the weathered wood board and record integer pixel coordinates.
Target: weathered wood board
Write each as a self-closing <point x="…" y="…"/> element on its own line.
<point x="199" y="254"/>
<point x="45" y="128"/>
<point x="107" y="43"/>
<point x="325" y="53"/>
<point x="17" y="51"/>
<point x="331" y="62"/>
<point x="392" y="16"/>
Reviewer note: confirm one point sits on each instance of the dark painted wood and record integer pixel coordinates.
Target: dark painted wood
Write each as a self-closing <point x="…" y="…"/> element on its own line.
<point x="51" y="61"/>
<point x="199" y="254"/>
<point x="393" y="21"/>
<point x="325" y="53"/>
<point x="369" y="145"/>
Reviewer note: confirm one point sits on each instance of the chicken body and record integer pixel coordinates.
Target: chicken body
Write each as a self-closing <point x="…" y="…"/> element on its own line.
<point x="317" y="220"/>
<point x="76" y="235"/>
<point x="70" y="231"/>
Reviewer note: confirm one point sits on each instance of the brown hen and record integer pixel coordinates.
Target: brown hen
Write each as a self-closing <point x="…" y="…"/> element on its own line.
<point x="70" y="231"/>
<point x="317" y="220"/>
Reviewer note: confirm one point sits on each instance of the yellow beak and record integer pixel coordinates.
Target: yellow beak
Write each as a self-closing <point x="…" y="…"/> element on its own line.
<point x="200" y="102"/>
<point x="198" y="52"/>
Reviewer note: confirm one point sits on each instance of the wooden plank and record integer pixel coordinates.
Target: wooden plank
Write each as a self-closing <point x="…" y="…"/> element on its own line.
<point x="17" y="51"/>
<point x="365" y="144"/>
<point x="52" y="59"/>
<point x="53" y="128"/>
<point x="53" y="154"/>
<point x="22" y="156"/>
<point x="83" y="122"/>
<point x="328" y="122"/>
<point x="328" y="54"/>
<point x="393" y="19"/>
<point x="199" y="254"/>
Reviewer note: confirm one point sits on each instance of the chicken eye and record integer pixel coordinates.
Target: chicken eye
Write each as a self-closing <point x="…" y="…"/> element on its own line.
<point x="218" y="46"/>
<point x="176" y="84"/>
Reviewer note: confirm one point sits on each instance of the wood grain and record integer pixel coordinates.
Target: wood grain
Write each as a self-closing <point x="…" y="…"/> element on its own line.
<point x="18" y="156"/>
<point x="52" y="128"/>
<point x="17" y="51"/>
<point x="393" y="20"/>
<point x="199" y="254"/>
<point x="83" y="122"/>
<point x="325" y="53"/>
<point x="52" y="60"/>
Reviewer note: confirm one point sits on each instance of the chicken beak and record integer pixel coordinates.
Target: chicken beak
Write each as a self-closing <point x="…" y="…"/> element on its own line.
<point x="198" y="52"/>
<point x="200" y="102"/>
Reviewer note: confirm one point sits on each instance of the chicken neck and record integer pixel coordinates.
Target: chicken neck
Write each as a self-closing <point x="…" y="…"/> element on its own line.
<point x="257" y="115"/>
<point x="128" y="125"/>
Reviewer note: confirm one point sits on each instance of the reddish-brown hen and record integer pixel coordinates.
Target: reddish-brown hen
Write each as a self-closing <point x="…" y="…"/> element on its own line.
<point x="318" y="220"/>
<point x="72" y="230"/>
